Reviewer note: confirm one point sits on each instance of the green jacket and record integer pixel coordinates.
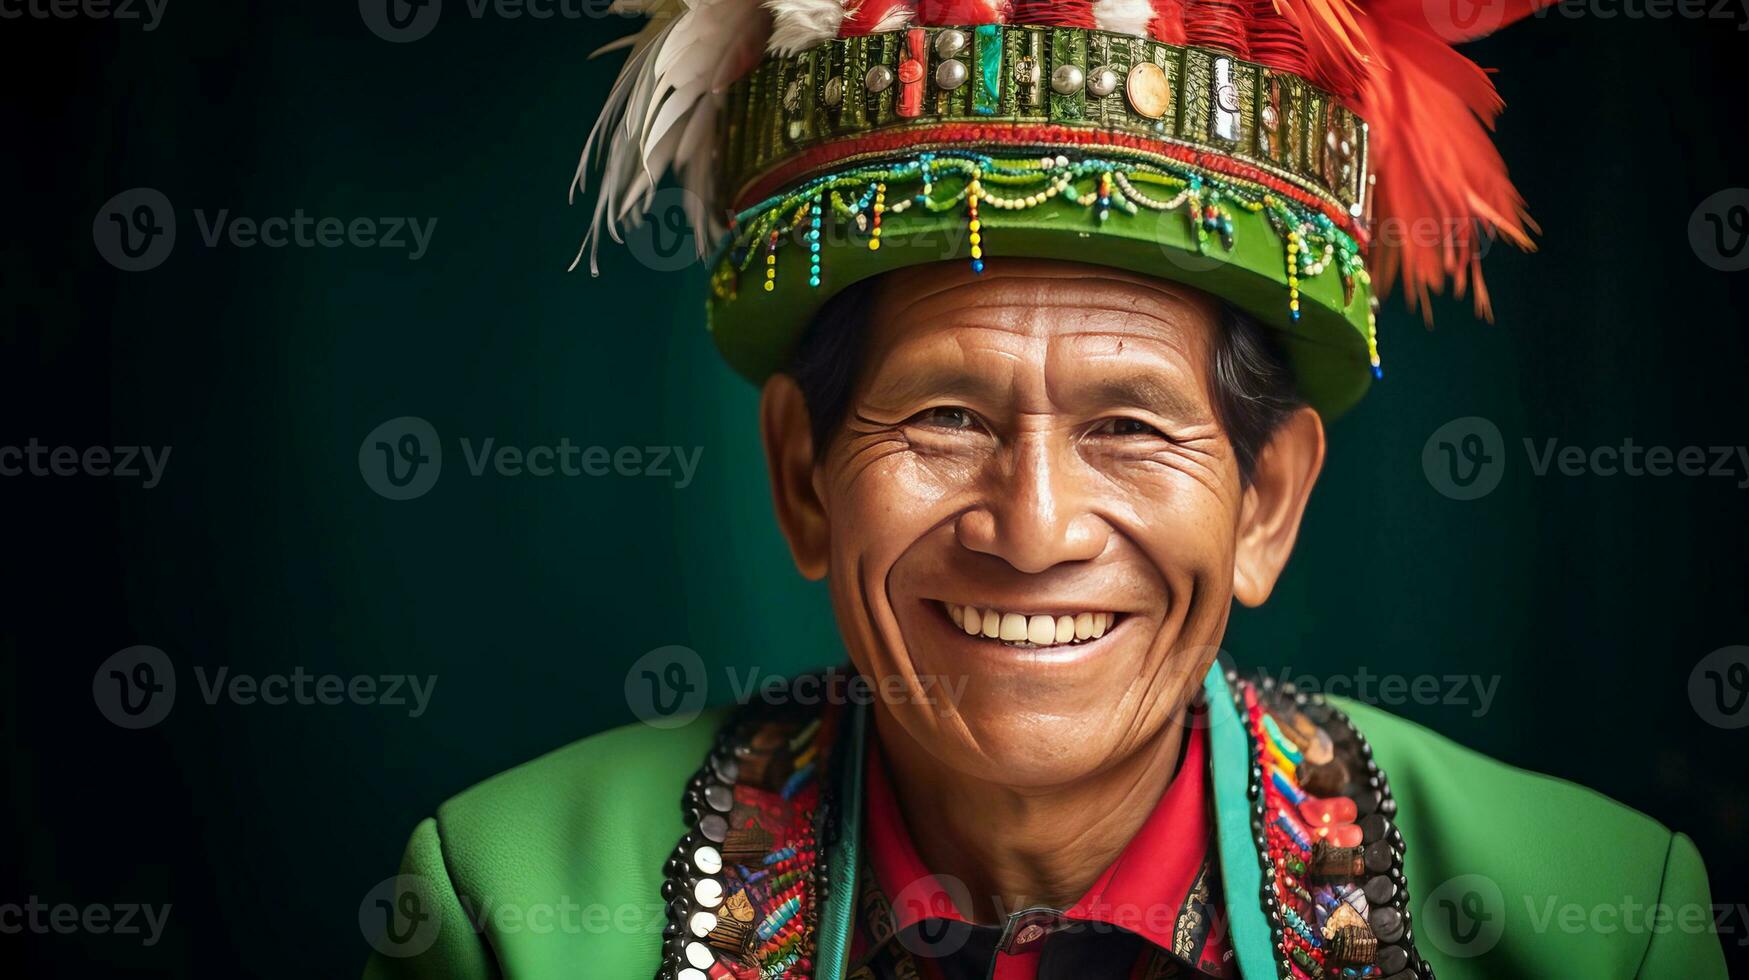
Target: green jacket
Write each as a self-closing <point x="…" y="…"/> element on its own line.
<point x="555" y="868"/>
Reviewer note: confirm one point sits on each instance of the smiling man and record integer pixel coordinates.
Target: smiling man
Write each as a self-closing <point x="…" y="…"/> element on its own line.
<point x="1050" y="304"/>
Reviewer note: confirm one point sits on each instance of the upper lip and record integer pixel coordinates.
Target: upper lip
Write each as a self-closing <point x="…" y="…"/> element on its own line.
<point x="1037" y="607"/>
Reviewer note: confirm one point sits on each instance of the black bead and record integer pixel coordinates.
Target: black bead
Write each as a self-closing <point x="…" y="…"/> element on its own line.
<point x="1387" y="924"/>
<point x="1392" y="959"/>
<point x="1375" y="827"/>
<point x="1380" y="890"/>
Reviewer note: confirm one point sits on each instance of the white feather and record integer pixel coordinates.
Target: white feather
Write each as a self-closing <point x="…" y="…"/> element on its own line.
<point x="894" y="19"/>
<point x="798" y="25"/>
<point x="660" y="114"/>
<point x="1124" y="16"/>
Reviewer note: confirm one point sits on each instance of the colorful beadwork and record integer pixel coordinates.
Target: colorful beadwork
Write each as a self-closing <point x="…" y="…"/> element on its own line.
<point x="1325" y="840"/>
<point x="937" y="182"/>
<point x="744" y="885"/>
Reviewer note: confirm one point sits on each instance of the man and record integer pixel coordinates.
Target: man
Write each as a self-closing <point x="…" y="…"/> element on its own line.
<point x="1050" y="303"/>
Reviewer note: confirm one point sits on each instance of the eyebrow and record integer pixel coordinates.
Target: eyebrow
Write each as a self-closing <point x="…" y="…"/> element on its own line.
<point x="1142" y="391"/>
<point x="938" y="382"/>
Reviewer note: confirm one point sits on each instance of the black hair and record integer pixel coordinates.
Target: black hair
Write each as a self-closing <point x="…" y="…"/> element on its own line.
<point x="1254" y="384"/>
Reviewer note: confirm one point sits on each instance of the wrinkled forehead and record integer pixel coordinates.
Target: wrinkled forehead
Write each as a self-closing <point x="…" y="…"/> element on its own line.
<point x="1038" y="315"/>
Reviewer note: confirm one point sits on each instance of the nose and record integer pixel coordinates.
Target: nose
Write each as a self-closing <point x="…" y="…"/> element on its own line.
<point x="1036" y="514"/>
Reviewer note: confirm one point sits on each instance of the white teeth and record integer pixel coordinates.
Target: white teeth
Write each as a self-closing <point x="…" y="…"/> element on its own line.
<point x="1083" y="626"/>
<point x="1038" y="630"/>
<point x="1041" y="630"/>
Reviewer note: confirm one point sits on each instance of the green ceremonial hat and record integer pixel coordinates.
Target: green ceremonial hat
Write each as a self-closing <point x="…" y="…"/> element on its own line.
<point x="818" y="151"/>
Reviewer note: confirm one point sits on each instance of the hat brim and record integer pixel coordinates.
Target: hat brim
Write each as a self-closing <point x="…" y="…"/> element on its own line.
<point x="757" y="329"/>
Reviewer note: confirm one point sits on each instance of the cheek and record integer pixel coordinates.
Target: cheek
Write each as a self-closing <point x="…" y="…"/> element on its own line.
<point x="887" y="495"/>
<point x="1183" y="515"/>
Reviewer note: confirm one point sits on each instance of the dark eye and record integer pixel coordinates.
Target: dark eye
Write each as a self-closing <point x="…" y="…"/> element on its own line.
<point x="1127" y="427"/>
<point x="945" y="417"/>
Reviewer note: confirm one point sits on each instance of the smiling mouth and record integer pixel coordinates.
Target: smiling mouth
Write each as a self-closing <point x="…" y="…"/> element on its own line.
<point x="1029" y="630"/>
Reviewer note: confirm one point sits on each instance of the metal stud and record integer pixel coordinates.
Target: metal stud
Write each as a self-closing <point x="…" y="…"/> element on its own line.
<point x="719" y="797"/>
<point x="950" y="43"/>
<point x="1101" y="82"/>
<point x="950" y="74"/>
<point x="792" y="95"/>
<point x="1067" y="79"/>
<point x="708" y="892"/>
<point x="834" y="93"/>
<point x="878" y="79"/>
<point x="714" y="828"/>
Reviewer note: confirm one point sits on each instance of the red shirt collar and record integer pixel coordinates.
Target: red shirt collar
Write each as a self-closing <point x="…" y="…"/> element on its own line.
<point x="1142" y="891"/>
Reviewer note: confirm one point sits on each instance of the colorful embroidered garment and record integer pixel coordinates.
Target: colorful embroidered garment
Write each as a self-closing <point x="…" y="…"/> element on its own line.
<point x="777" y="826"/>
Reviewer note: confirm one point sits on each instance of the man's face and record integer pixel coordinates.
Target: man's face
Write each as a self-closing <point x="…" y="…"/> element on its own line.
<point x="1032" y="502"/>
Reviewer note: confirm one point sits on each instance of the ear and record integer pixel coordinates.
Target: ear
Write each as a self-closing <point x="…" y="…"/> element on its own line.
<point x="789" y="458"/>
<point x="1270" y="511"/>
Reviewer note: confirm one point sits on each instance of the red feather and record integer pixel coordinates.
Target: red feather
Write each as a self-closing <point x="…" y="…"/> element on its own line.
<point x="935" y="13"/>
<point x="1442" y="184"/>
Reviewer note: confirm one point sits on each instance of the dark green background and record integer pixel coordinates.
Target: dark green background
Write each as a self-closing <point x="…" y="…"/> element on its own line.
<point x="1591" y="598"/>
